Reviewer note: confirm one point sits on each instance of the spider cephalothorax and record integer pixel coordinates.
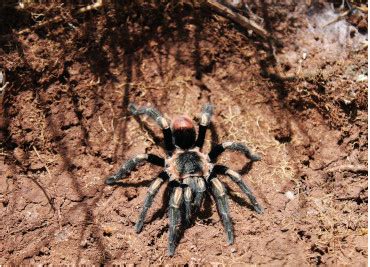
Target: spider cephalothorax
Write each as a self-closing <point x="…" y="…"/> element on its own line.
<point x="188" y="171"/>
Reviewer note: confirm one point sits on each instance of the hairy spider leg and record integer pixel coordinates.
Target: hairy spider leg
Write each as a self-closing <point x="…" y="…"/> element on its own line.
<point x="174" y="215"/>
<point x="233" y="146"/>
<point x="236" y="177"/>
<point x="188" y="197"/>
<point x="205" y="119"/>
<point x="131" y="164"/>
<point x="200" y="187"/>
<point x="152" y="192"/>
<point x="160" y="120"/>
<point x="219" y="192"/>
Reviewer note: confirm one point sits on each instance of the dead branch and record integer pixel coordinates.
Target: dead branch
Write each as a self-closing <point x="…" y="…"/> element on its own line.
<point x="96" y="5"/>
<point x="58" y="19"/>
<point x="237" y="18"/>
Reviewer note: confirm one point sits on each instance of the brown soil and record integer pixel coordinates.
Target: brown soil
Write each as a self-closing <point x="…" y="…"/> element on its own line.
<point x="65" y="128"/>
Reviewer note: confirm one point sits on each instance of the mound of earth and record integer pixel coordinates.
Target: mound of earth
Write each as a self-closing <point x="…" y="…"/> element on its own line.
<point x="299" y="101"/>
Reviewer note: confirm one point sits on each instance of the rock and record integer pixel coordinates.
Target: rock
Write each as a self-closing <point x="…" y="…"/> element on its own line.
<point x="289" y="195"/>
<point x="19" y="154"/>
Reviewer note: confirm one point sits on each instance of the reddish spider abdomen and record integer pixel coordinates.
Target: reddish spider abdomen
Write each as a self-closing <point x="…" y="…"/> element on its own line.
<point x="182" y="122"/>
<point x="183" y="132"/>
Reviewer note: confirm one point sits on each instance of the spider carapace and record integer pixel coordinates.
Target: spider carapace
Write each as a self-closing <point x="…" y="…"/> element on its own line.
<point x="188" y="172"/>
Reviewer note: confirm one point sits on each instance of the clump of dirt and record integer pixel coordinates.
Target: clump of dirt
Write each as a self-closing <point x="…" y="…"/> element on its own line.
<point x="66" y="128"/>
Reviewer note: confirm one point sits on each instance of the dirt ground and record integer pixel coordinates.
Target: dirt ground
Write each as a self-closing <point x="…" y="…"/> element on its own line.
<point x="65" y="127"/>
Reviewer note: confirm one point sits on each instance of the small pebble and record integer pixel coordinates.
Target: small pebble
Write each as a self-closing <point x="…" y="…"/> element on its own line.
<point x="289" y="195"/>
<point x="84" y="243"/>
<point x="346" y="101"/>
<point x="45" y="250"/>
<point x="361" y="78"/>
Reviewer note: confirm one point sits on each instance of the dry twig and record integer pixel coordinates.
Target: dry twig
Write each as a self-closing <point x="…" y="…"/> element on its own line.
<point x="237" y="18"/>
<point x="96" y="5"/>
<point x="340" y="17"/>
<point x="3" y="85"/>
<point x="42" y="24"/>
<point x="46" y="167"/>
<point x="350" y="168"/>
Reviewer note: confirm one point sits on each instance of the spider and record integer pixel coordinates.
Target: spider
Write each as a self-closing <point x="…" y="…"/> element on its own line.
<point x="188" y="172"/>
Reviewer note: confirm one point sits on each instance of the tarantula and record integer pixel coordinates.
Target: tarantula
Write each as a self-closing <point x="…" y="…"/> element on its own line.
<point x="188" y="171"/>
